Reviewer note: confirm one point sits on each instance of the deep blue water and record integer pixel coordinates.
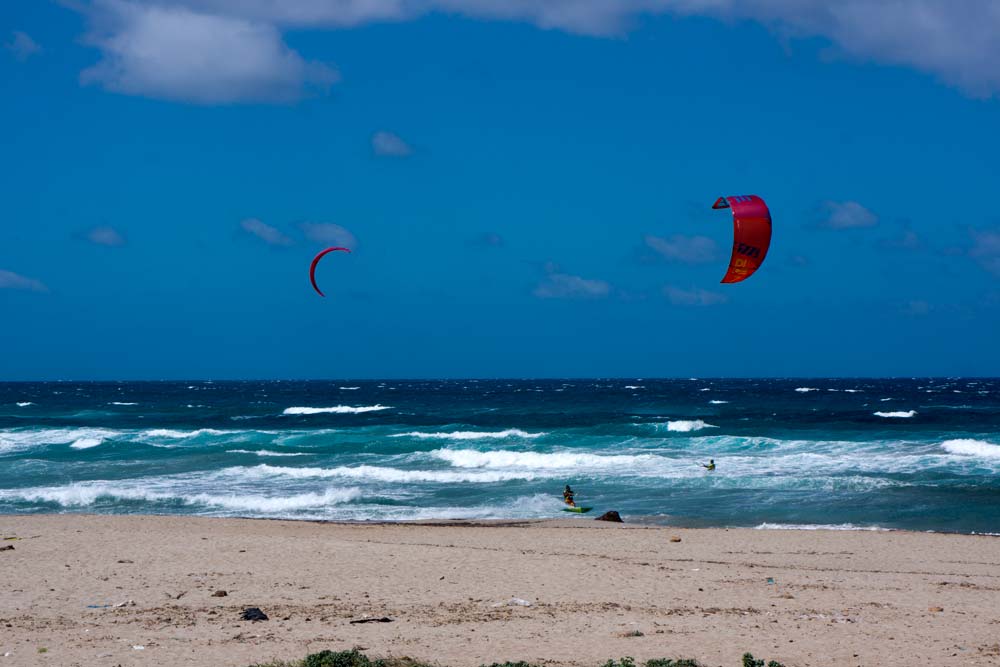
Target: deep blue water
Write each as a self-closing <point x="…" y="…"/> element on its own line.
<point x="920" y="454"/>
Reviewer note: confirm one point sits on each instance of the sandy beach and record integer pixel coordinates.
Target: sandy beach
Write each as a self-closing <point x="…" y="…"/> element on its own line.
<point x="837" y="598"/>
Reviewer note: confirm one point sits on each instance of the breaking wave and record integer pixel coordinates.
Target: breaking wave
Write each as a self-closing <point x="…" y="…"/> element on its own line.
<point x="337" y="410"/>
<point x="803" y="390"/>
<point x="817" y="526"/>
<point x="264" y="452"/>
<point x="384" y="474"/>
<point x="970" y="447"/>
<point x="686" y="426"/>
<point x="470" y="435"/>
<point x="471" y="458"/>
<point x="899" y="414"/>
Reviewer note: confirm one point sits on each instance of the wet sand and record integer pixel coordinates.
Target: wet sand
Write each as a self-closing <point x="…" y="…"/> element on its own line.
<point x="837" y="598"/>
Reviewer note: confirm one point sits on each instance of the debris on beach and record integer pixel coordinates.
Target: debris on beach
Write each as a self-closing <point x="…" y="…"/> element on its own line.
<point x="126" y="603"/>
<point x="513" y="602"/>
<point x="8" y="547"/>
<point x="935" y="609"/>
<point x="253" y="614"/>
<point x="125" y="561"/>
<point x="612" y="516"/>
<point x="674" y="538"/>
<point x="383" y="619"/>
<point x="219" y="594"/>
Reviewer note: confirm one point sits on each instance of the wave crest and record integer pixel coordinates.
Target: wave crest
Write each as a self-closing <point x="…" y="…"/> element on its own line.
<point x="470" y="435"/>
<point x="899" y="414"/>
<point x="970" y="447"/>
<point x="337" y="410"/>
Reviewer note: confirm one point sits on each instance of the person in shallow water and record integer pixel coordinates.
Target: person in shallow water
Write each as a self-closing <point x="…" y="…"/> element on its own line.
<point x="568" y="496"/>
<point x="710" y="466"/>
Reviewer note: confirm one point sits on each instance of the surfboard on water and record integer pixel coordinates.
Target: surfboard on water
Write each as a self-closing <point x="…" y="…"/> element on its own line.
<point x="578" y="510"/>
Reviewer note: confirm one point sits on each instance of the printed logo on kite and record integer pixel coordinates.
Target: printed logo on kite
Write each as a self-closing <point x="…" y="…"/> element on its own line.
<point x="751" y="235"/>
<point x="312" y="267"/>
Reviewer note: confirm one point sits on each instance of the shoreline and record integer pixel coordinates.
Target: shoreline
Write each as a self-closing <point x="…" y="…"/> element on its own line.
<point x="800" y="597"/>
<point x="630" y="522"/>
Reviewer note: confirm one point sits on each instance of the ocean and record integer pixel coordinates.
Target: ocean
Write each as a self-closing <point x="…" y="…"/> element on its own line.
<point x="917" y="454"/>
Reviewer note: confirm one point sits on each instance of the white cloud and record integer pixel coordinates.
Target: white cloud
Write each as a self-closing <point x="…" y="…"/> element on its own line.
<point x="848" y="215"/>
<point x="986" y="249"/>
<point x="693" y="297"/>
<point x="390" y="145"/>
<point x="917" y="308"/>
<point x="22" y="46"/>
<point x="11" y="280"/>
<point x="688" y="249"/>
<point x="325" y="232"/>
<point x="176" y="53"/>
<point x="105" y="235"/>
<point x="955" y="42"/>
<point x="265" y="232"/>
<point x="558" y="285"/>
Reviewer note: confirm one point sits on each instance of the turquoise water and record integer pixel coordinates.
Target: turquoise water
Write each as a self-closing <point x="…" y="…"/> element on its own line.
<point x="915" y="454"/>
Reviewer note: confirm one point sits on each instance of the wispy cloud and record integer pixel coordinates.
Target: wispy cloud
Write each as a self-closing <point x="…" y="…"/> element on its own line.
<point x="986" y="249"/>
<point x="559" y="285"/>
<point x="106" y="235"/>
<point x="907" y="239"/>
<point x="22" y="46"/>
<point x="687" y="249"/>
<point x="387" y="144"/>
<point x="265" y="232"/>
<point x="11" y="280"/>
<point x="326" y="232"/>
<point x="186" y="54"/>
<point x="693" y="297"/>
<point x="489" y="240"/>
<point x="847" y="215"/>
<point x="222" y="51"/>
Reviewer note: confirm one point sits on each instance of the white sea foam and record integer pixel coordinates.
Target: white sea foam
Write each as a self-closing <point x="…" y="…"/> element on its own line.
<point x="718" y="402"/>
<point x="350" y="388"/>
<point x="86" y="443"/>
<point x="470" y="435"/>
<point x="121" y="403"/>
<point x="264" y="452"/>
<point x="896" y="415"/>
<point x="970" y="447"/>
<point x="817" y="526"/>
<point x="854" y="391"/>
<point x="171" y="433"/>
<point x="24" y="404"/>
<point x="337" y="409"/>
<point x="634" y="386"/>
<point x="803" y="390"/>
<point x="471" y="458"/>
<point x="88" y="493"/>
<point x="383" y="474"/>
<point x="688" y="425"/>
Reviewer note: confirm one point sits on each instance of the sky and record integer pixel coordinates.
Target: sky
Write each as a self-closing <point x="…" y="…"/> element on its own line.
<point x="526" y="186"/>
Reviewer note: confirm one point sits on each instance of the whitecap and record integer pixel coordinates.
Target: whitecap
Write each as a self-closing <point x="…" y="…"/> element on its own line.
<point x="803" y="390"/>
<point x="688" y="425"/>
<point x="471" y="458"/>
<point x="337" y="409"/>
<point x="718" y="402"/>
<point x="383" y="474"/>
<point x="86" y="443"/>
<point x="470" y="435"/>
<point x="350" y="388"/>
<point x="264" y="452"/>
<point x="121" y="403"/>
<point x="900" y="414"/>
<point x="970" y="447"/>
<point x="24" y="404"/>
<point x="171" y="433"/>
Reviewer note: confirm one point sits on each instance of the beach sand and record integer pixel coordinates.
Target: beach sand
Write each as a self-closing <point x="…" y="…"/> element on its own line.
<point x="838" y="598"/>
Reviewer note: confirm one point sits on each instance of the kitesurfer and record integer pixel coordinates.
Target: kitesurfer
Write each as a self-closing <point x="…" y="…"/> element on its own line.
<point x="568" y="496"/>
<point x="710" y="466"/>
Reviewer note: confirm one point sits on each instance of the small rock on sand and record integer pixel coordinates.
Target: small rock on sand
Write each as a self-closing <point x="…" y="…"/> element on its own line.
<point x="219" y="594"/>
<point x="674" y="538"/>
<point x="253" y="614"/>
<point x="935" y="608"/>
<point x="612" y="516"/>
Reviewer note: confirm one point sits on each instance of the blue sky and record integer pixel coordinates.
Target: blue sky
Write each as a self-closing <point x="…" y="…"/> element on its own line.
<point x="526" y="186"/>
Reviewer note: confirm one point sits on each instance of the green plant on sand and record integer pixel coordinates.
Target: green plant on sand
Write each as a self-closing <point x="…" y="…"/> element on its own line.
<point x="750" y="661"/>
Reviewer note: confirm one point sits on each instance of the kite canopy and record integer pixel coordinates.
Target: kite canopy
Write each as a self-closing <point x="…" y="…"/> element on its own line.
<point x="312" y="267"/>
<point x="751" y="235"/>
